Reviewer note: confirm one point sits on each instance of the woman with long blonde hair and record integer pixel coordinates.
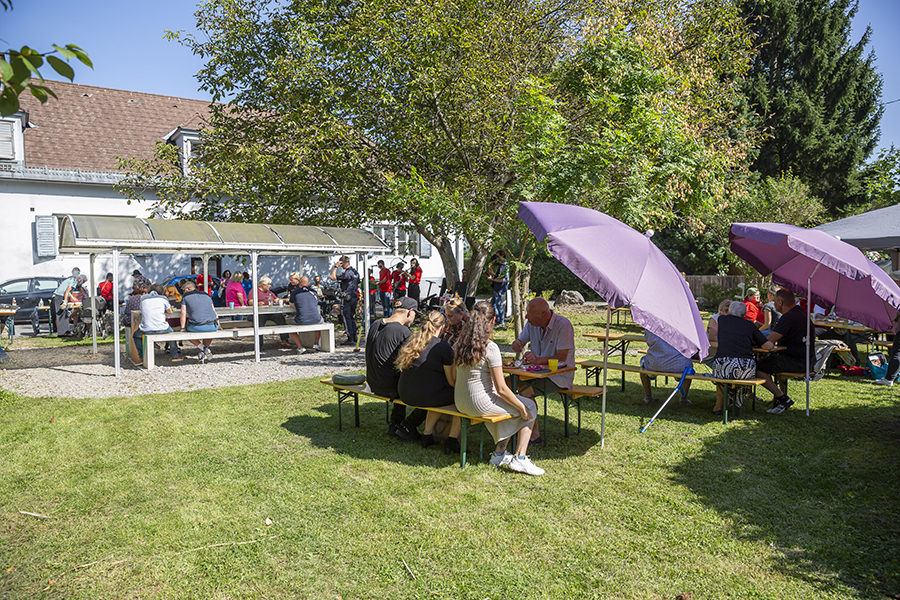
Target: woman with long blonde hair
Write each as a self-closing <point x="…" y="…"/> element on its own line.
<point x="427" y="377"/>
<point x="481" y="391"/>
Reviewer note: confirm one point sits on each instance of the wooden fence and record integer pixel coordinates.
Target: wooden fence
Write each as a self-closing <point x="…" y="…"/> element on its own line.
<point x="698" y="284"/>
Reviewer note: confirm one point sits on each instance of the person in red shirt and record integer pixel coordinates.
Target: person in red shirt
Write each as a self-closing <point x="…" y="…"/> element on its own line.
<point x="106" y="288"/>
<point x="384" y="288"/>
<point x="754" y="308"/>
<point x="398" y="279"/>
<point x="206" y="289"/>
<point x="415" y="278"/>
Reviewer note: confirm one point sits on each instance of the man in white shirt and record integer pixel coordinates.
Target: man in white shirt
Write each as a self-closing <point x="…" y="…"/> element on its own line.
<point x="550" y="337"/>
<point x="154" y="308"/>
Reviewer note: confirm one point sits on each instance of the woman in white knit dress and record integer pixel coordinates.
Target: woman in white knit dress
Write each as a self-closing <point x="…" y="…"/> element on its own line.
<point x="481" y="391"/>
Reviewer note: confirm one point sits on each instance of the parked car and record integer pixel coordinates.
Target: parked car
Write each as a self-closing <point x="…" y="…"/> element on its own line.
<point x="215" y="286"/>
<point x="28" y="293"/>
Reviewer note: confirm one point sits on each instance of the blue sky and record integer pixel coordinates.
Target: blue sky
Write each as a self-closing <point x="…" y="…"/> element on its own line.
<point x="124" y="39"/>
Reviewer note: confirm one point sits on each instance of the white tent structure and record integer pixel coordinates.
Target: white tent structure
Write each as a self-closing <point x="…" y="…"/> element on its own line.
<point x="98" y="235"/>
<point x="873" y="230"/>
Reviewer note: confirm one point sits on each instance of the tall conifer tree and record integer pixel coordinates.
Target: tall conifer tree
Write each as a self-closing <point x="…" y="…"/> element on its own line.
<point x="817" y="93"/>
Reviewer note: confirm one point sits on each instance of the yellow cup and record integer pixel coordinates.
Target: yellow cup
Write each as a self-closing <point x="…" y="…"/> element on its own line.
<point x="553" y="364"/>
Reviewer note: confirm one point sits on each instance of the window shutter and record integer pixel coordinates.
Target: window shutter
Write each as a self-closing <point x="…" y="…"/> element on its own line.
<point x="424" y="247"/>
<point x="45" y="232"/>
<point x="7" y="151"/>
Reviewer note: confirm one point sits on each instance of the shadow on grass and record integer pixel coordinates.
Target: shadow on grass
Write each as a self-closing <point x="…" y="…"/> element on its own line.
<point x="370" y="441"/>
<point x="821" y="489"/>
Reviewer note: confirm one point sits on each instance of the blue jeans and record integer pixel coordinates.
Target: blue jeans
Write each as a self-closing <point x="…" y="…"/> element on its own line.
<point x="202" y="328"/>
<point x="497" y="301"/>
<point x="139" y="341"/>
<point x="385" y="298"/>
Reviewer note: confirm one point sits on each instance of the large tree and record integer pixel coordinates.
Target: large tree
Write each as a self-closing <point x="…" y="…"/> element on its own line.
<point x="446" y="113"/>
<point x="817" y="93"/>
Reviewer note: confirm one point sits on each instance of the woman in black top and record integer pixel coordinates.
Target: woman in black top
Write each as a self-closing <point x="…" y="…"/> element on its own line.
<point x="427" y="377"/>
<point x="737" y="339"/>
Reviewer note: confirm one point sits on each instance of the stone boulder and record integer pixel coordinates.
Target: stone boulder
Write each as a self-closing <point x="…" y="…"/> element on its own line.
<point x="567" y="297"/>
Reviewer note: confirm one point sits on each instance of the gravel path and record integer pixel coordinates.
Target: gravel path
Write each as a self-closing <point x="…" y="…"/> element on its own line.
<point x="37" y="372"/>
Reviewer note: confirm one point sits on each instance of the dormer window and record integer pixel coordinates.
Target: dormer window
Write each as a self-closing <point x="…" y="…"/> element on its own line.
<point x="184" y="140"/>
<point x="12" y="148"/>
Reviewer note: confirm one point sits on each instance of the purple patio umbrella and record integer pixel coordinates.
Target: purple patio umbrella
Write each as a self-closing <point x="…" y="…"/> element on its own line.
<point x="624" y="267"/>
<point x="826" y="270"/>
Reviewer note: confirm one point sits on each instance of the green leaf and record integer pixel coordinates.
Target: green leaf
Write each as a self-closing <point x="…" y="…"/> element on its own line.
<point x="30" y="64"/>
<point x="65" y="51"/>
<point x="61" y="67"/>
<point x="6" y="70"/>
<point x="39" y="93"/>
<point x="9" y="102"/>
<point x="80" y="54"/>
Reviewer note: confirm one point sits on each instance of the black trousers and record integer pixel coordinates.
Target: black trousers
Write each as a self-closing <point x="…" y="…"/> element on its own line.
<point x="412" y="291"/>
<point x="348" y="312"/>
<point x="894" y="360"/>
<point x="58" y="308"/>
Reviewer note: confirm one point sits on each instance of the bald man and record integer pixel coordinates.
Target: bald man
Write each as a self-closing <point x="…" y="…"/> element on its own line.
<point x="549" y="336"/>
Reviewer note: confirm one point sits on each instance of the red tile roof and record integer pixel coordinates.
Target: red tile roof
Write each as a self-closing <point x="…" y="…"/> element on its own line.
<point x="87" y="127"/>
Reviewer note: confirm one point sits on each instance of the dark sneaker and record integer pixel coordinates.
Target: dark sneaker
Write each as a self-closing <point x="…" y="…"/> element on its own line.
<point x="451" y="446"/>
<point x="782" y="406"/>
<point x="407" y="433"/>
<point x="392" y="430"/>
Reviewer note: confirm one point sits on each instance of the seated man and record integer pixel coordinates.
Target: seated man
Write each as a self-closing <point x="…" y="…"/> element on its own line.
<point x="789" y="333"/>
<point x="154" y="308"/>
<point x="198" y="315"/>
<point x="550" y="336"/>
<point x="663" y="358"/>
<point x="105" y="289"/>
<point x="382" y="345"/>
<point x="305" y="300"/>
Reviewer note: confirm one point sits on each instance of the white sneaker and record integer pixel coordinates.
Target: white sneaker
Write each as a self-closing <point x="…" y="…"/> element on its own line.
<point x="886" y="382"/>
<point x="501" y="460"/>
<point x="207" y="352"/>
<point x="201" y="357"/>
<point x="316" y="348"/>
<point x="524" y="465"/>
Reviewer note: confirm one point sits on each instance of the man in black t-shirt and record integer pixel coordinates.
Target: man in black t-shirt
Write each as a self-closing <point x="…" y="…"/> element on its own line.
<point x="790" y="333"/>
<point x="349" y="281"/>
<point x="382" y="344"/>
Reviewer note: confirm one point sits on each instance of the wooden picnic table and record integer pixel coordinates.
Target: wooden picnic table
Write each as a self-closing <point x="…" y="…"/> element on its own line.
<point x="620" y="342"/>
<point x="222" y="312"/>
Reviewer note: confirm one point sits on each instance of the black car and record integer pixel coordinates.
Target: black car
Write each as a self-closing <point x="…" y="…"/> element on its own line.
<point x="28" y="293"/>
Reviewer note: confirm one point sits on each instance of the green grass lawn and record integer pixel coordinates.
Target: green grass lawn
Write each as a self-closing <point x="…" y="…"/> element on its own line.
<point x="169" y="496"/>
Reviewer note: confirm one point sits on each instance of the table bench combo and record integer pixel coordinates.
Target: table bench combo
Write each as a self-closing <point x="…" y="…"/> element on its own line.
<point x="594" y="367"/>
<point x="231" y="329"/>
<point x="347" y="392"/>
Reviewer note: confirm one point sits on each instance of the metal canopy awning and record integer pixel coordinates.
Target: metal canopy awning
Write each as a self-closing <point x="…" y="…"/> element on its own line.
<point x="133" y="235"/>
<point x="93" y="234"/>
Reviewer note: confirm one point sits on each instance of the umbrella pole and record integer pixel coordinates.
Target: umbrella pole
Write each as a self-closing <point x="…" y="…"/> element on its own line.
<point x="605" y="362"/>
<point x="808" y="327"/>
<point x="687" y="371"/>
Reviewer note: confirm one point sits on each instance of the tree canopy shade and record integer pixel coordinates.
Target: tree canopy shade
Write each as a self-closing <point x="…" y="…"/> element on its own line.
<point x="445" y="114"/>
<point x="817" y="93"/>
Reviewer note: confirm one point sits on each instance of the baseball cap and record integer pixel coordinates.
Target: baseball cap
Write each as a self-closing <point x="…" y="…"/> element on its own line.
<point x="406" y="303"/>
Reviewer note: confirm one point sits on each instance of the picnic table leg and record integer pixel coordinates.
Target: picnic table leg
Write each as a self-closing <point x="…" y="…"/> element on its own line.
<point x="463" y="442"/>
<point x="623" y="346"/>
<point x="725" y="403"/>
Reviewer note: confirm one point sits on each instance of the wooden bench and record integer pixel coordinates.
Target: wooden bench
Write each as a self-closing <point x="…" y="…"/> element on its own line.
<point x="574" y="395"/>
<point x="725" y="383"/>
<point x="348" y="392"/>
<point x="327" y="342"/>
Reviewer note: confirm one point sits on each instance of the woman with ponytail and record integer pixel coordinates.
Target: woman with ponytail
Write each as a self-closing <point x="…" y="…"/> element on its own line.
<point x="427" y="377"/>
<point x="481" y="390"/>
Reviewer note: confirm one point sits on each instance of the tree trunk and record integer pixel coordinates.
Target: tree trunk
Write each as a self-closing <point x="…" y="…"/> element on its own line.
<point x="521" y="281"/>
<point x="475" y="264"/>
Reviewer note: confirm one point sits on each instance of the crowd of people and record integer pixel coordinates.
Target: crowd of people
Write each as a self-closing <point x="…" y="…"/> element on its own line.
<point x="452" y="362"/>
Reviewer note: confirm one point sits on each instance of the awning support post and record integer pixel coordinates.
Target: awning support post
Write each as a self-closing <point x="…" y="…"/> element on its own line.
<point x="254" y="254"/>
<point x="115" y="309"/>
<point x="92" y="289"/>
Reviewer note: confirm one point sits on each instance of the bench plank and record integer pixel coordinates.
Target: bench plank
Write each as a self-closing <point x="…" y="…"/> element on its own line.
<point x="327" y="344"/>
<point x="347" y="392"/>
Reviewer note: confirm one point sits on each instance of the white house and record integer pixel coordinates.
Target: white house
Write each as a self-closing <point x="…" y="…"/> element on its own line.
<point x="60" y="158"/>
